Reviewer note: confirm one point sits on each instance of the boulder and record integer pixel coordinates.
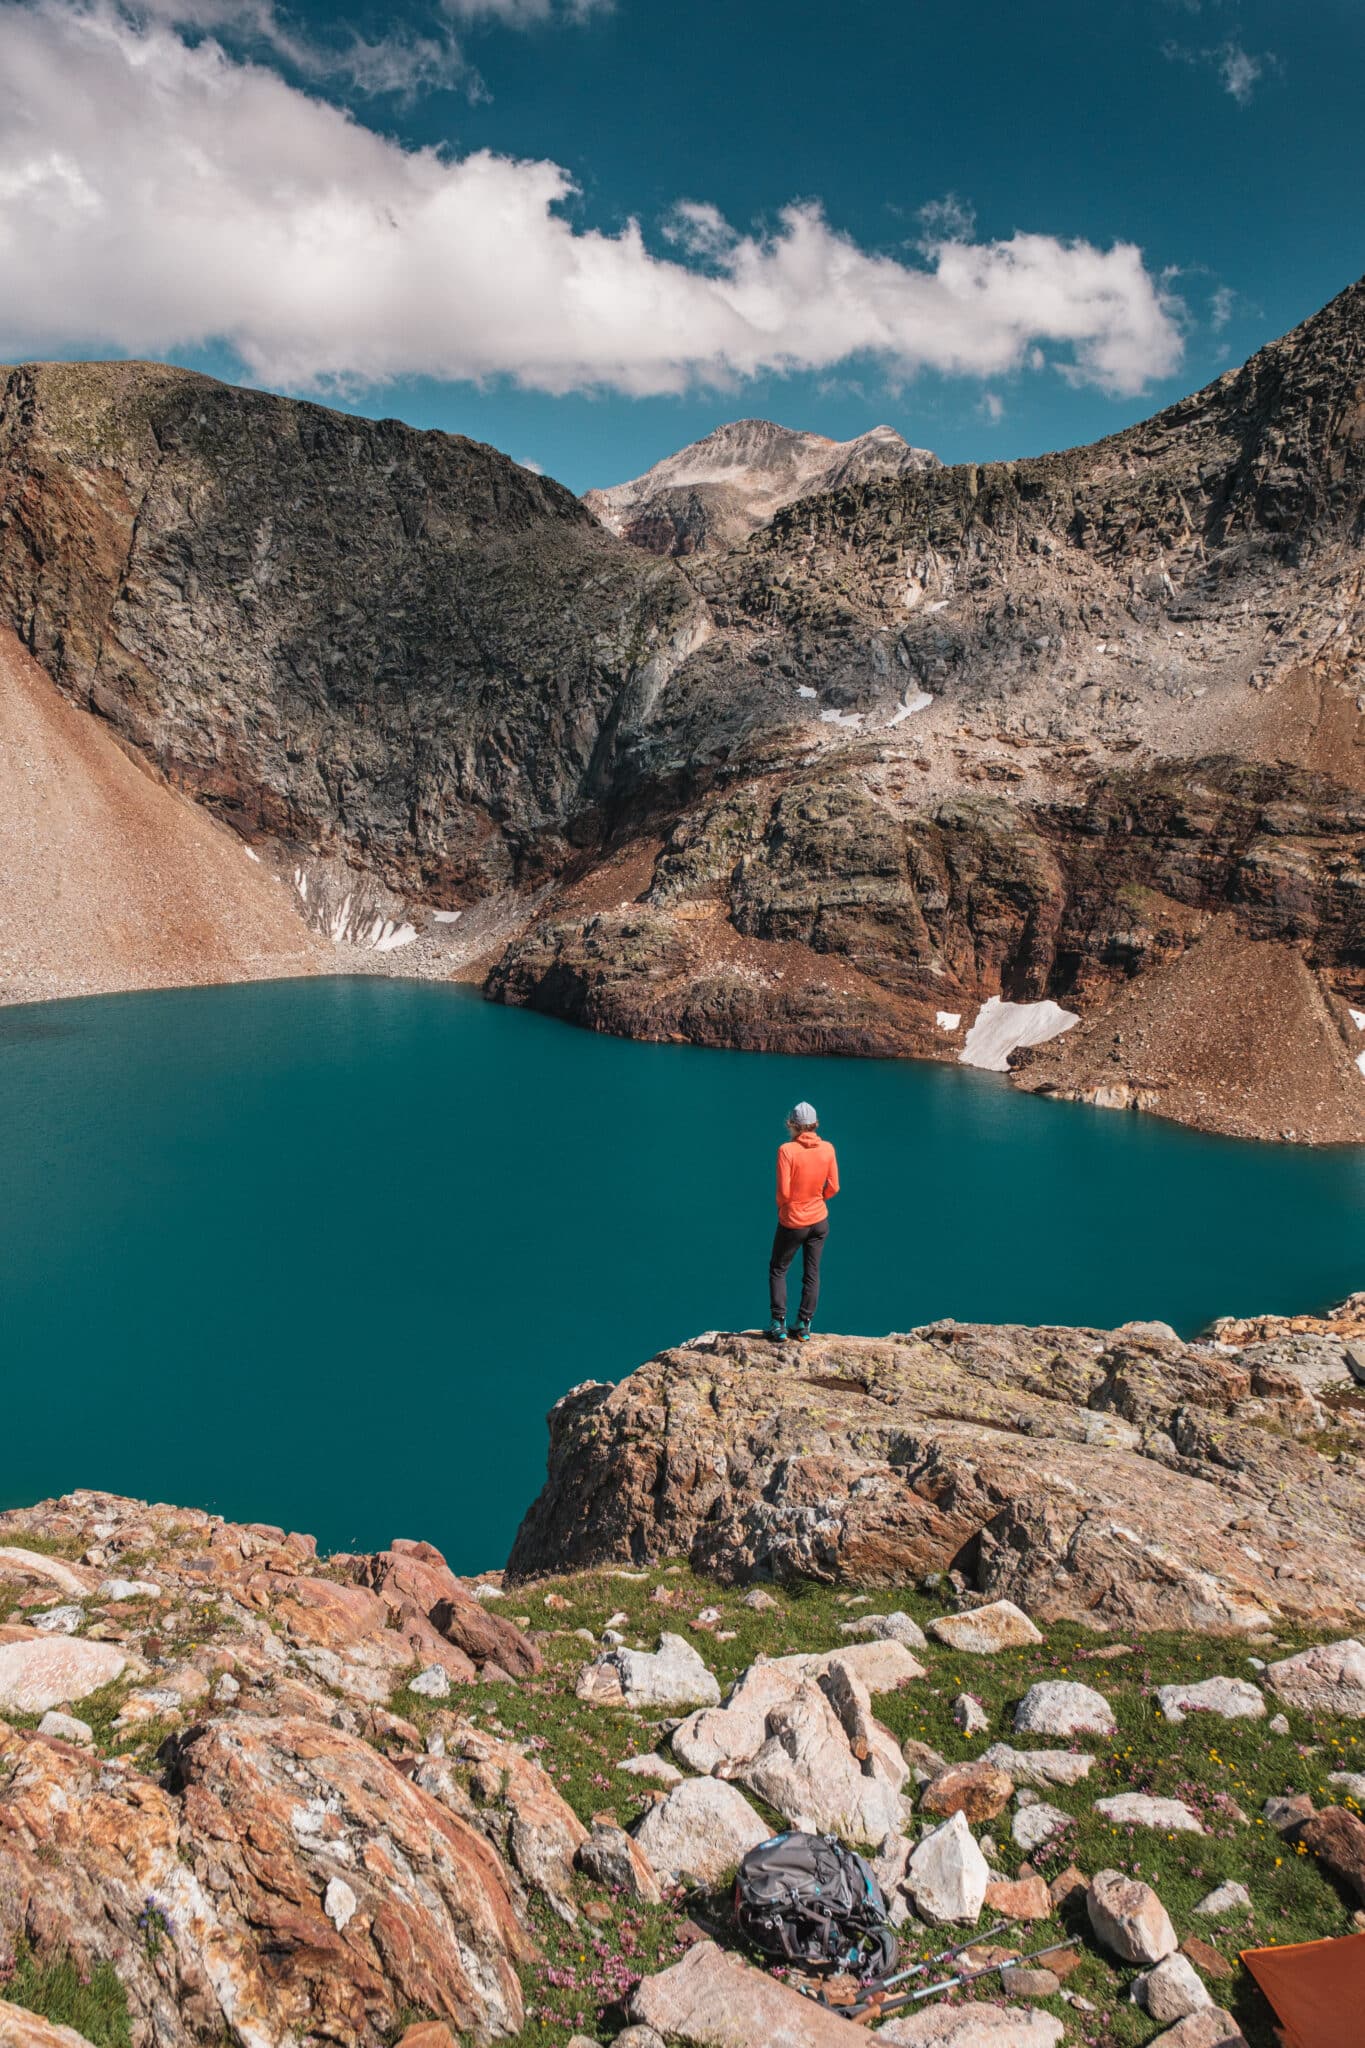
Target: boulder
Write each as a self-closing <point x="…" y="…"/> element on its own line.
<point x="1040" y="1766"/>
<point x="1021" y="1898"/>
<point x="714" y="2000"/>
<point x="923" y="1760"/>
<point x="1017" y="1980"/>
<point x="1206" y="1958"/>
<point x="806" y="1770"/>
<point x="1225" y="1898"/>
<point x="1034" y="1825"/>
<point x="701" y="1830"/>
<point x="65" y="1728"/>
<point x="612" y="1858"/>
<point x="58" y="1621"/>
<point x="1209" y="2028"/>
<point x="984" y="1630"/>
<point x="896" y="1628"/>
<point x="431" y="1684"/>
<point x="667" y="1680"/>
<point x="977" y="1789"/>
<point x="1137" y="1810"/>
<point x="1058" y="1706"/>
<point x="1171" y="1990"/>
<point x="1234" y="1699"/>
<point x="515" y="1804"/>
<point x="1328" y="1679"/>
<point x="415" y="1583"/>
<point x="1337" y="1839"/>
<point x="128" y="1589"/>
<point x="35" y="1566"/>
<point x="651" y="1765"/>
<point x="1129" y="1919"/>
<point x="973" y="2026"/>
<point x="947" y="1875"/>
<point x="969" y="1714"/>
<point x="39" y="1672"/>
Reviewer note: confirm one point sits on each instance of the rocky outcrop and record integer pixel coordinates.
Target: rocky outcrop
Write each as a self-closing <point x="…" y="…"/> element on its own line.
<point x="270" y="1855"/>
<point x="1123" y="1478"/>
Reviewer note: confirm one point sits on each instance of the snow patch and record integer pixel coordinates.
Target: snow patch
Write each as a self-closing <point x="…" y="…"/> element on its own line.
<point x="387" y="937"/>
<point x="805" y="690"/>
<point x="251" y="854"/>
<point x="920" y="701"/>
<point x="853" y="719"/>
<point x="1360" y="1061"/>
<point x="948" y="1020"/>
<point x="1002" y="1027"/>
<point x="447" y="916"/>
<point x="301" y="883"/>
<point x="1358" y="1019"/>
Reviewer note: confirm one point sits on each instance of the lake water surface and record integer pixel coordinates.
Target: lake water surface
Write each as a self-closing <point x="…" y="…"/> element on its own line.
<point x="324" y="1252"/>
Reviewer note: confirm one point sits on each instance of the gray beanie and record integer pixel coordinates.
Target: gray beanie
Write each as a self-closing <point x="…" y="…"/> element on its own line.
<point x="803" y="1114"/>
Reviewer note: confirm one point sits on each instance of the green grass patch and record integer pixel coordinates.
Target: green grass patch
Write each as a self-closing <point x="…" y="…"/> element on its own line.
<point x="94" y="2002"/>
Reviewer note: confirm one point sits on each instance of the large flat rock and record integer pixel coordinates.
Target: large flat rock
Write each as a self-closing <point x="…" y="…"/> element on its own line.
<point x="1119" y="1478"/>
<point x="42" y="1671"/>
<point x="714" y="2000"/>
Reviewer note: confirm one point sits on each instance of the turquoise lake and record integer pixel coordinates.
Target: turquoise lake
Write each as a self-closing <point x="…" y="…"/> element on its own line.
<point x="324" y="1252"/>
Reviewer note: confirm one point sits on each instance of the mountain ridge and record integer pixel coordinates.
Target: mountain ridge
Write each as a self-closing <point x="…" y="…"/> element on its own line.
<point x="1039" y="729"/>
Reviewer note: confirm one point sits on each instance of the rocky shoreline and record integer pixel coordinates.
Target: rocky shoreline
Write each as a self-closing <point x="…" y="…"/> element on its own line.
<point x="248" y="1794"/>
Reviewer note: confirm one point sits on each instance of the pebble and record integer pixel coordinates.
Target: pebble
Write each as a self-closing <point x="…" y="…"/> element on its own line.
<point x="1278" y="1724"/>
<point x="970" y="1715"/>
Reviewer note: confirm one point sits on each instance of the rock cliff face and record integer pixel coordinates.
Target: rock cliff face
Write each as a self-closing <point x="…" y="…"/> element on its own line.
<point x="1120" y="1478"/>
<point x="720" y="490"/>
<point x="1086" y="728"/>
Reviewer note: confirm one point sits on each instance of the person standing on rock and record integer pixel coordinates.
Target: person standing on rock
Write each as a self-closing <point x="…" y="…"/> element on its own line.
<point x="807" y="1173"/>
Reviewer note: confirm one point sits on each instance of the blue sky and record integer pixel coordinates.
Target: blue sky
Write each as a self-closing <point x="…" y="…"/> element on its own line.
<point x="172" y="183"/>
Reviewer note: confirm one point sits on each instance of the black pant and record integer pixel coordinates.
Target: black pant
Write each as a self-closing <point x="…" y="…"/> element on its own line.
<point x="811" y="1239"/>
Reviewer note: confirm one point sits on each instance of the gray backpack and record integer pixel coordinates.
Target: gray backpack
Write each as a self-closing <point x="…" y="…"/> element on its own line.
<point x="807" y="1900"/>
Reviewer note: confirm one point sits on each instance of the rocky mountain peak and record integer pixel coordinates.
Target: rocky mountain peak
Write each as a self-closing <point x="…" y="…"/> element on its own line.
<point x="718" y="490"/>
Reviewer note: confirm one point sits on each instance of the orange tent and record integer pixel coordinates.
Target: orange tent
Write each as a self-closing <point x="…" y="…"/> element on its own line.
<point x="1317" y="1989"/>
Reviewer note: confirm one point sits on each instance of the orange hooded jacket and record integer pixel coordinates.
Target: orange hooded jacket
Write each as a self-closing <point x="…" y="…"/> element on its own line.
<point x="807" y="1171"/>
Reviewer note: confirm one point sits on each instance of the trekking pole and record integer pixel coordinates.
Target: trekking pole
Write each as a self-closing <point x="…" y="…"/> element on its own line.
<point x="871" y="2005"/>
<point x="932" y="1963"/>
<point x="972" y="1976"/>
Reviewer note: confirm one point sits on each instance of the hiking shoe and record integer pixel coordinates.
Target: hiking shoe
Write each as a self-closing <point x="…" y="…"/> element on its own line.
<point x="802" y="1331"/>
<point x="777" y="1331"/>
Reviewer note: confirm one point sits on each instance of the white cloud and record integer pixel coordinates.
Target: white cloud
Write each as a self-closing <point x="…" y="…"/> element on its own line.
<point x="1221" y="305"/>
<point x="949" y="219"/>
<point x="991" y="408"/>
<point x="156" y="197"/>
<point x="1239" y="72"/>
